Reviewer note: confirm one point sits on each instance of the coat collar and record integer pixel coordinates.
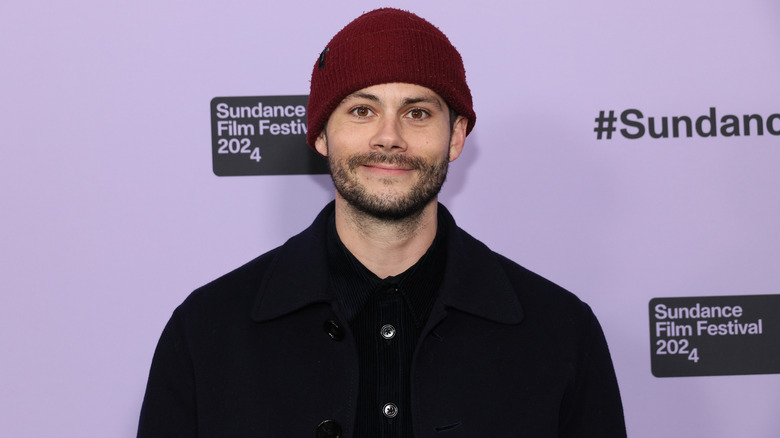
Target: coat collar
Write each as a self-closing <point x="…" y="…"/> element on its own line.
<point x="474" y="280"/>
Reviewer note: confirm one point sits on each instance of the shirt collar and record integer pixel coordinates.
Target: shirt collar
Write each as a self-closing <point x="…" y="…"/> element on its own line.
<point x="353" y="283"/>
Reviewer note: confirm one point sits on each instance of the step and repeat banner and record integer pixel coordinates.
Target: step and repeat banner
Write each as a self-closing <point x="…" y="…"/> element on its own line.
<point x="628" y="152"/>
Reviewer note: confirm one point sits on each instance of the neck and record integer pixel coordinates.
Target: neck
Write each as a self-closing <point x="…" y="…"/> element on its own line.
<point x="385" y="247"/>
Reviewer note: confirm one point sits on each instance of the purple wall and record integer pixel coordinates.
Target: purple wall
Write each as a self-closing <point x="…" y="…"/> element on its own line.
<point x="111" y="214"/>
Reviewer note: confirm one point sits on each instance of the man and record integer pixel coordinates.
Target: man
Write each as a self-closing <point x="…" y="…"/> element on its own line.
<point x="383" y="318"/>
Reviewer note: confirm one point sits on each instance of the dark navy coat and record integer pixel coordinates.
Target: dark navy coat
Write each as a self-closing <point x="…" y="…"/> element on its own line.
<point x="505" y="353"/>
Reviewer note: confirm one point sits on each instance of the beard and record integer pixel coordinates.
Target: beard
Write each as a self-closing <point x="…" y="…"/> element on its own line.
<point x="388" y="205"/>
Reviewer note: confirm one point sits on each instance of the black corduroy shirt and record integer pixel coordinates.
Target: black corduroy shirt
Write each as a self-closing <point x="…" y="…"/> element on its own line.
<point x="386" y="317"/>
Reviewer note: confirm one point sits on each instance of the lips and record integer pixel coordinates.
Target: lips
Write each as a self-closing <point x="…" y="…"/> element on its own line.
<point x="386" y="170"/>
<point x="384" y="166"/>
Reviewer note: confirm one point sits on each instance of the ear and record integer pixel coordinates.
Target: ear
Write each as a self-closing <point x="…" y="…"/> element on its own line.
<point x="321" y="144"/>
<point x="458" y="137"/>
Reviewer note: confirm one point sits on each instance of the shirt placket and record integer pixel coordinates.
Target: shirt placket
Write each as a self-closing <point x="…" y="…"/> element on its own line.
<point x="389" y="341"/>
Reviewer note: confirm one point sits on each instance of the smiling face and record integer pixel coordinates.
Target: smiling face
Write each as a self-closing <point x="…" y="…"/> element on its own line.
<point x="388" y="148"/>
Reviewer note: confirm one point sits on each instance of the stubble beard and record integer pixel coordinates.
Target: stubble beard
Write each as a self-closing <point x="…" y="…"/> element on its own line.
<point x="388" y="206"/>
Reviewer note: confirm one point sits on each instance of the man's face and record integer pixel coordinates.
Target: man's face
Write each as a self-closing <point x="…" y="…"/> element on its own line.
<point x="389" y="146"/>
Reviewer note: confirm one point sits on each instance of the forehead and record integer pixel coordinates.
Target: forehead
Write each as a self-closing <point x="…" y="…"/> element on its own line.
<point x="396" y="93"/>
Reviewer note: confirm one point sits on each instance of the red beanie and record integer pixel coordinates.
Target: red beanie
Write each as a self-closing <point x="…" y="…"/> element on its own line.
<point x="383" y="46"/>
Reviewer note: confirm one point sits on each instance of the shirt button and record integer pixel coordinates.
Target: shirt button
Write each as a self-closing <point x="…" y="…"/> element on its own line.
<point x="329" y="429"/>
<point x="390" y="410"/>
<point x="391" y="290"/>
<point x="333" y="329"/>
<point x="387" y="331"/>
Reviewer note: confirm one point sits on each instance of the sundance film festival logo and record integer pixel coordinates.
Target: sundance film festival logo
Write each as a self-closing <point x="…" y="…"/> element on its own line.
<point x="633" y="124"/>
<point x="262" y="135"/>
<point x="715" y="335"/>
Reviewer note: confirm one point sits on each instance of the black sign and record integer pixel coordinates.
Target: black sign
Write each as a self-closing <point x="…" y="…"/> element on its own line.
<point x="262" y="135"/>
<point x="715" y="336"/>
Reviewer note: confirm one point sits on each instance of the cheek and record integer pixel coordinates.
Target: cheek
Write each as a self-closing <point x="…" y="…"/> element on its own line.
<point x="341" y="139"/>
<point x="434" y="146"/>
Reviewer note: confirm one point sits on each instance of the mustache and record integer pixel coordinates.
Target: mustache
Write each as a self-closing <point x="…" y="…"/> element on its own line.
<point x="373" y="157"/>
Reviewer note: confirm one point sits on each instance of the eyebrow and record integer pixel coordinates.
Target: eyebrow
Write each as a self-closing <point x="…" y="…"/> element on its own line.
<point x="408" y="101"/>
<point x="422" y="99"/>
<point x="362" y="95"/>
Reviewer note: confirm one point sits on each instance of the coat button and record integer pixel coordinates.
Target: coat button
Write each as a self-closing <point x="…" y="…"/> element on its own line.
<point x="387" y="331"/>
<point x="334" y="330"/>
<point x="390" y="410"/>
<point x="329" y="429"/>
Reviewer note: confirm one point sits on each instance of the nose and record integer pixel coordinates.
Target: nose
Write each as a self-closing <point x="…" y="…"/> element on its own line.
<point x="389" y="135"/>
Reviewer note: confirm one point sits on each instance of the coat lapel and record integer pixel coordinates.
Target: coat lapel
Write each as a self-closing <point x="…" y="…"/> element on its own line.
<point x="298" y="275"/>
<point x="474" y="280"/>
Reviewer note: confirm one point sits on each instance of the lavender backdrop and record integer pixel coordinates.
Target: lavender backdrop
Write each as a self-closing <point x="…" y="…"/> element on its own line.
<point x="111" y="214"/>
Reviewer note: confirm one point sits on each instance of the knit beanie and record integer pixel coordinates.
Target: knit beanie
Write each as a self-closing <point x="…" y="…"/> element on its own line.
<point x="382" y="46"/>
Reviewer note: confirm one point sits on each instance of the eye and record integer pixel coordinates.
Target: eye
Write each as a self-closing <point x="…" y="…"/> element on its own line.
<point x="418" y="114"/>
<point x="361" y="111"/>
